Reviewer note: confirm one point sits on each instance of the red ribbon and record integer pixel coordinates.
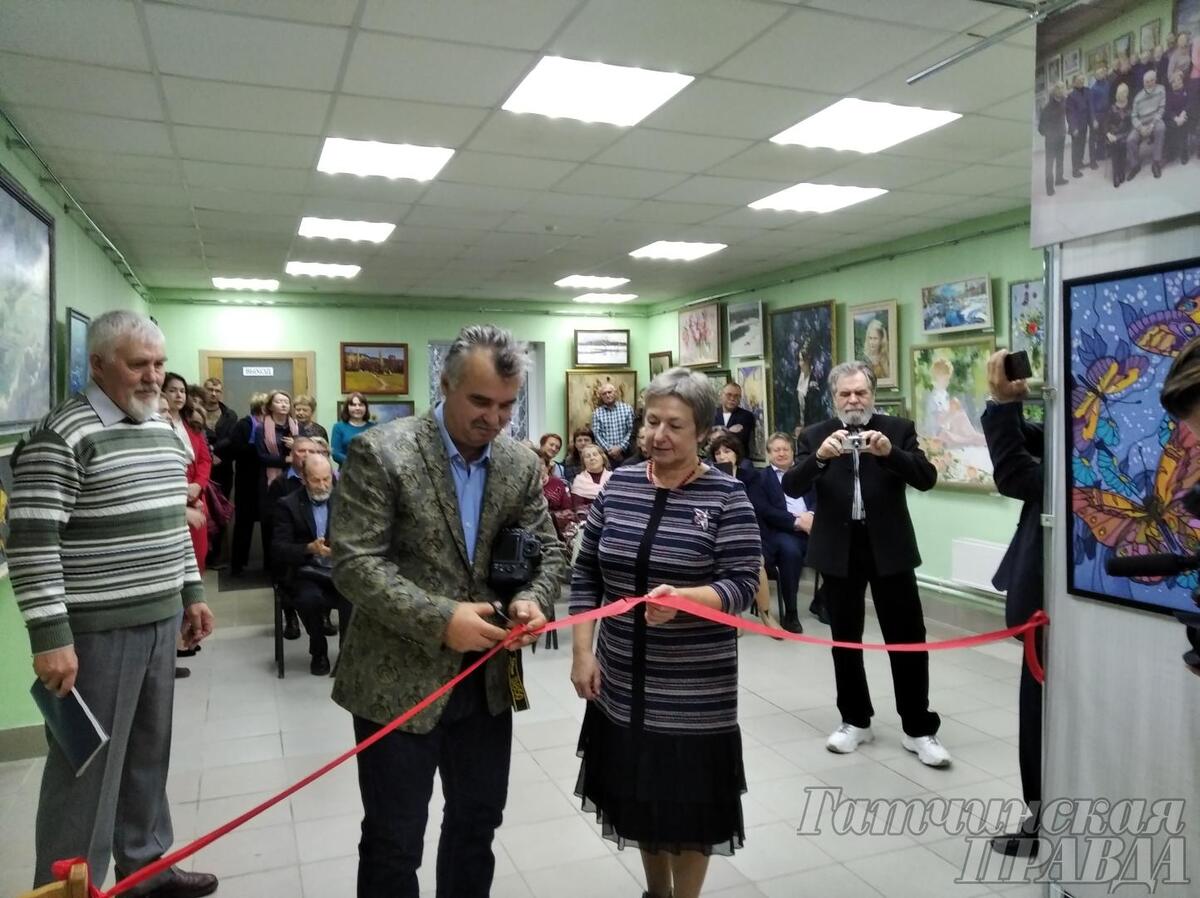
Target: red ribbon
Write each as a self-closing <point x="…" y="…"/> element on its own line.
<point x="1026" y="630"/>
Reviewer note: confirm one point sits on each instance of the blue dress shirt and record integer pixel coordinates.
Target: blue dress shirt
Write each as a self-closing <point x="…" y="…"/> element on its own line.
<point x="469" y="482"/>
<point x="320" y="518"/>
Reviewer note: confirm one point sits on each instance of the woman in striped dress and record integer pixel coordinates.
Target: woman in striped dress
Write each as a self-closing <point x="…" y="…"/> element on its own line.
<point x="661" y="748"/>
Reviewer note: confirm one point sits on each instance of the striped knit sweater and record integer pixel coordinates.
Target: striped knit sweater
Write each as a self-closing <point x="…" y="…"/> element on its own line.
<point x="98" y="537"/>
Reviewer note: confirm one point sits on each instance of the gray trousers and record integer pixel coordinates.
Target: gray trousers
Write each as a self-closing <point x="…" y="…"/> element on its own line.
<point x="118" y="808"/>
<point x="1134" y="142"/>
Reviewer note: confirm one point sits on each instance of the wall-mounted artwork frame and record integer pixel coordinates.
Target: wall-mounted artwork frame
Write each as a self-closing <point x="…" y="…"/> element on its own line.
<point x="1054" y="70"/>
<point x="384" y="410"/>
<point x="802" y="351"/>
<point x="891" y="405"/>
<point x="77" y="355"/>
<point x="1096" y="56"/>
<point x="751" y="376"/>
<point x="660" y="362"/>
<point x="1123" y="45"/>
<point x="700" y="335"/>
<point x="583" y="392"/>
<point x="718" y="377"/>
<point x="1150" y="34"/>
<point x="745" y="329"/>
<point x="1072" y="61"/>
<point x="955" y="306"/>
<point x="1027" y="324"/>
<point x="374" y="369"/>
<point x="602" y="349"/>
<point x="27" y="346"/>
<point x="875" y="328"/>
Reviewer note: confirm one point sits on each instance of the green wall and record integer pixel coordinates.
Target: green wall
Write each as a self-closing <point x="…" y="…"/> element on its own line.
<point x="898" y="271"/>
<point x="1130" y="21"/>
<point x="85" y="280"/>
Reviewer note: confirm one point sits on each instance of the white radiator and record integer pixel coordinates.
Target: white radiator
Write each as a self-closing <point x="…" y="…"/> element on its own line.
<point x="974" y="561"/>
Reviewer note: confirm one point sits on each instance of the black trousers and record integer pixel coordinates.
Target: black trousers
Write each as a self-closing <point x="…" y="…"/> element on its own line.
<point x="311" y="600"/>
<point x="1079" y="142"/>
<point x="898" y="607"/>
<point x="785" y="553"/>
<point x="1098" y="141"/>
<point x="1029" y="734"/>
<point x="1055" y="146"/>
<point x="471" y="750"/>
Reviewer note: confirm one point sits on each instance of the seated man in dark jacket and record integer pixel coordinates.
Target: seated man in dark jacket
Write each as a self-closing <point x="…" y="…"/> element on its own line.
<point x="302" y="552"/>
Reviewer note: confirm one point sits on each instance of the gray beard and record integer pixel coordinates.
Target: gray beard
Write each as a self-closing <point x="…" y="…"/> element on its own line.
<point x="142" y="409"/>
<point x="319" y="498"/>
<point x="856" y="418"/>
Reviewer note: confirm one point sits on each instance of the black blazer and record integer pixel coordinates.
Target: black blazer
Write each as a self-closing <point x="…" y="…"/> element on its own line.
<point x="292" y="530"/>
<point x="883" y="482"/>
<point x="770" y="503"/>
<point x="1016" y="447"/>
<point x="248" y="472"/>
<point x="738" y="416"/>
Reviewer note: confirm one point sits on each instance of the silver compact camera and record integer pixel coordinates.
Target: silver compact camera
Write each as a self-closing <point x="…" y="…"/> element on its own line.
<point x="854" y="442"/>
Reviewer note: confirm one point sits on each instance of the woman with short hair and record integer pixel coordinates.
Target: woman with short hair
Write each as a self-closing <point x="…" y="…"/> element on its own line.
<point x="572" y="463"/>
<point x="304" y="407"/>
<point x="591" y="480"/>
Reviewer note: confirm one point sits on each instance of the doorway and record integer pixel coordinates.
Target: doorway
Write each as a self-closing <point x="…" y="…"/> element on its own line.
<point x="246" y="373"/>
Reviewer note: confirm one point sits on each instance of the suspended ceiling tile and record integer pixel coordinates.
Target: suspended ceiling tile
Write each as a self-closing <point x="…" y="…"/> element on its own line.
<point x="103" y="32"/>
<point x="547" y="222"/>
<point x="689" y="36"/>
<point x="216" y="221"/>
<point x="406" y="68"/>
<point x="252" y="51"/>
<point x="246" y="201"/>
<point x="454" y="219"/>
<point x="973" y="138"/>
<point x="670" y="151"/>
<point x="975" y="180"/>
<point x="769" y="161"/>
<point x="89" y="165"/>
<point x="557" y="203"/>
<point x="246" y="147"/>
<point x="476" y="196"/>
<point x="672" y="213"/>
<point x="888" y="172"/>
<point x="540" y="137"/>
<point x="917" y="202"/>
<point x="315" y="12"/>
<point x="236" y="106"/>
<point x="1020" y="108"/>
<point x="714" y="106"/>
<point x="521" y="24"/>
<point x="745" y="217"/>
<point x="54" y="128"/>
<point x="498" y="170"/>
<point x="610" y="181"/>
<point x="55" y="84"/>
<point x="957" y="16"/>
<point x="1021" y="158"/>
<point x="354" y="210"/>
<point x="265" y="178"/>
<point x="726" y="191"/>
<point x="129" y="193"/>
<point x="128" y="215"/>
<point x="403" y="121"/>
<point x="401" y="191"/>
<point x="432" y="235"/>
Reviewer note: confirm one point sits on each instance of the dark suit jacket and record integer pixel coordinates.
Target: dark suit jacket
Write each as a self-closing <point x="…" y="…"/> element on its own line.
<point x="221" y="444"/>
<point x="1016" y="448"/>
<point x="770" y="503"/>
<point x="883" y="482"/>
<point x="248" y="470"/>
<point x="742" y="417"/>
<point x="293" y="529"/>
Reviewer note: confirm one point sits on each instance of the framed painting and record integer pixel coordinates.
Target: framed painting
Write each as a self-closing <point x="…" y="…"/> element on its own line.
<point x="803" y="343"/>
<point x="374" y="369"/>
<point x="1129" y="466"/>
<point x="602" y="349"/>
<point x="583" y="393"/>
<point x="1096" y="57"/>
<point x="745" y="328"/>
<point x="891" y="405"/>
<point x="1123" y="45"/>
<point x="6" y="481"/>
<point x="660" y="362"/>
<point x="949" y="393"/>
<point x="1027" y="324"/>
<point x="718" y="377"/>
<point x="518" y="425"/>
<point x="1151" y="33"/>
<point x="384" y="410"/>
<point x="27" y="345"/>
<point x="1039" y="80"/>
<point x="77" y="354"/>
<point x="1054" y="71"/>
<point x="964" y="305"/>
<point x="875" y="340"/>
<point x="1072" y="61"/>
<point x="700" y="335"/>
<point x="751" y="376"/>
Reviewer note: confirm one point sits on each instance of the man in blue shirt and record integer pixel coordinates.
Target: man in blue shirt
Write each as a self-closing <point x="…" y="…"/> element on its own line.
<point x="612" y="424"/>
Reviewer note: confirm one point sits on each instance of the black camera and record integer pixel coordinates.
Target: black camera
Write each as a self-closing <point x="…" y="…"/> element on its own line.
<point x="516" y="556"/>
<point x="1017" y="367"/>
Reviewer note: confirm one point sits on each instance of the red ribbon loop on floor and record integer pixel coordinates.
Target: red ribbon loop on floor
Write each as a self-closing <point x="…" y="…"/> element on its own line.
<point x="1026" y="630"/>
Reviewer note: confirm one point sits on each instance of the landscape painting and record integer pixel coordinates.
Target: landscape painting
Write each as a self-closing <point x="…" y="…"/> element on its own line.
<point x="583" y="393"/>
<point x="745" y="329"/>
<point x="374" y="368"/>
<point x="602" y="349"/>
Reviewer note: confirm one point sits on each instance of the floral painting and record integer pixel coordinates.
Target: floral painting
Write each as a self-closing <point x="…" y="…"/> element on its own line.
<point x="700" y="335"/>
<point x="950" y="392"/>
<point x="1027" y="324"/>
<point x="1131" y="465"/>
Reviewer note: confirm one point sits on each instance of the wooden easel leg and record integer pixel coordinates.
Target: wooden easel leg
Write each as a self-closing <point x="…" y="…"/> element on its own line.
<point x="76" y="886"/>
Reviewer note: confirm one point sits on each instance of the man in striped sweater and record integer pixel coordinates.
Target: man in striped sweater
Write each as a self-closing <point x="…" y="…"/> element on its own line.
<point x="102" y="566"/>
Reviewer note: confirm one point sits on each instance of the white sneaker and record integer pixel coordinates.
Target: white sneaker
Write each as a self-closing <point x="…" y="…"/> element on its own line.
<point x="929" y="750"/>
<point x="847" y="738"/>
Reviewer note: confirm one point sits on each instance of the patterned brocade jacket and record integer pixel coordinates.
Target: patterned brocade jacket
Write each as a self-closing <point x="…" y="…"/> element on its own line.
<point x="400" y="558"/>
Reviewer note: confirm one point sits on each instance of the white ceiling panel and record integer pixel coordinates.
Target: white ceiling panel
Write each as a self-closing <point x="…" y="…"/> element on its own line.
<point x="403" y="121"/>
<point x="669" y="151"/>
<point x="1020" y="108"/>
<point x="545" y="138"/>
<point x="1021" y="158"/>
<point x="283" y="227"/>
<point x="104" y="32"/>
<point x="55" y="128"/>
<point x="126" y="215"/>
<point x="475" y="196"/>
<point x="265" y="178"/>
<point x="753" y="219"/>
<point x="609" y="180"/>
<point x="245" y="201"/>
<point x="245" y="147"/>
<point x="546" y="222"/>
<point x="454" y="219"/>
<point x="432" y="235"/>
<point x="730" y="109"/>
<point x="770" y="161"/>
<point x="576" y="204"/>
<point x="672" y="213"/>
<point x="973" y="138"/>
<point x="233" y="106"/>
<point x="689" y="36"/>
<point x="959" y="15"/>
<point x="89" y="165"/>
<point x="974" y="179"/>
<point x="809" y="50"/>
<point x="125" y="193"/>
<point x="80" y="88"/>
<point x="918" y="202"/>
<point x="730" y="191"/>
<point x="251" y="51"/>
<point x="315" y="12"/>
<point x="354" y="210"/>
<point x="520" y="24"/>
<point x="406" y="68"/>
<point x="499" y="170"/>
<point x="888" y="172"/>
<point x="381" y="190"/>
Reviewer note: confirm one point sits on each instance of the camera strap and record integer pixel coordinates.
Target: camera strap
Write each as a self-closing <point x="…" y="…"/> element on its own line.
<point x="516" y="669"/>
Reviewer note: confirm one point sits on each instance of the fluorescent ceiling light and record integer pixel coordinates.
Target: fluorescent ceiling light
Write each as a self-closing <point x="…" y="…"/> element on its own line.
<point x="594" y="91"/>
<point x="245" y="283"/>
<point x="606" y="297"/>
<point x="339" y="229"/>
<point x="864" y="126"/>
<point x="388" y="160"/>
<point x="322" y="269"/>
<point x="677" y="250"/>
<point x="816" y="198"/>
<point x="590" y="282"/>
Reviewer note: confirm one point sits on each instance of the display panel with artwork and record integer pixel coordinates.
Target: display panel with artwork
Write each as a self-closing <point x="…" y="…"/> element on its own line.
<point x="6" y="482"/>
<point x="602" y="349"/>
<point x="875" y="340"/>
<point x="700" y="335"/>
<point x="802" y="353"/>
<point x="77" y="354"/>
<point x="1027" y="324"/>
<point x="745" y="329"/>
<point x="752" y="378"/>
<point x="964" y="305"/>
<point x="659" y="362"/>
<point x="949" y="394"/>
<point x="518" y="425"/>
<point x="583" y="393"/>
<point x="380" y="411"/>
<point x="26" y="308"/>
<point x="374" y="368"/>
<point x="1129" y="465"/>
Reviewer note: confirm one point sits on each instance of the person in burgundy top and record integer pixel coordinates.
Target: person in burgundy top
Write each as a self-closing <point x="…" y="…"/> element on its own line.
<point x="558" y="500"/>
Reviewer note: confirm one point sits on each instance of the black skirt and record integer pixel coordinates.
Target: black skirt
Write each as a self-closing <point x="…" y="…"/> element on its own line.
<point x="662" y="792"/>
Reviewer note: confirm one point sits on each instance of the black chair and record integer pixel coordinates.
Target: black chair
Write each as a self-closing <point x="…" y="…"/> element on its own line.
<point x="279" y="663"/>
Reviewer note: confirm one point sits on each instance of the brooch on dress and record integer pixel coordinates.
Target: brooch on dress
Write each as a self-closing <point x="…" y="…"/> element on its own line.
<point x="700" y="518"/>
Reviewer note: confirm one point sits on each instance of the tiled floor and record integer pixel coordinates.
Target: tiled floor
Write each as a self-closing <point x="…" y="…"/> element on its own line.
<point x="241" y="734"/>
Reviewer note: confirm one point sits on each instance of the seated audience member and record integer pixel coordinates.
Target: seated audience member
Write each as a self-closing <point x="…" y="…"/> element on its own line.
<point x="1118" y="126"/>
<point x="784" y="523"/>
<point x="587" y="483"/>
<point x="572" y="463"/>
<point x="303" y="409"/>
<point x="558" y="500"/>
<point x="354" y="419"/>
<point x="641" y="448"/>
<point x="726" y="450"/>
<point x="1179" y="124"/>
<point x="301" y="534"/>
<point x="1148" y="127"/>
<point x="548" y="447"/>
<point x="735" y="419"/>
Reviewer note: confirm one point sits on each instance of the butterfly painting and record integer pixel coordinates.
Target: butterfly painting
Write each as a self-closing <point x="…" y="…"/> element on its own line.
<point x="1131" y="467"/>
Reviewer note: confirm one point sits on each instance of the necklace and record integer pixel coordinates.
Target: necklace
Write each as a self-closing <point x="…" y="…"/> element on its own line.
<point x="691" y="475"/>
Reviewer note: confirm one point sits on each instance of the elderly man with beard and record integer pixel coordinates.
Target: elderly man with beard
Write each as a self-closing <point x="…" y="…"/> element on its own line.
<point x="860" y="465"/>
